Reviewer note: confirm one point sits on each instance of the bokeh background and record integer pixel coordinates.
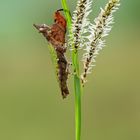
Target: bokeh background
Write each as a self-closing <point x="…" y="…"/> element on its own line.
<point x="31" y="106"/>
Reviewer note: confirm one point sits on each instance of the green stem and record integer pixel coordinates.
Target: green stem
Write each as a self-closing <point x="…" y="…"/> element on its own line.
<point x="77" y="107"/>
<point x="77" y="83"/>
<point x="67" y="13"/>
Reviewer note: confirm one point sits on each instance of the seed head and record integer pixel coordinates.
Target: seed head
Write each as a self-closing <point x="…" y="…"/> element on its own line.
<point x="101" y="28"/>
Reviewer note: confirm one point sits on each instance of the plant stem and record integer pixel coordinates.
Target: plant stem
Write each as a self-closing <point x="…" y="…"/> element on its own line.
<point x="77" y="83"/>
<point x="77" y="107"/>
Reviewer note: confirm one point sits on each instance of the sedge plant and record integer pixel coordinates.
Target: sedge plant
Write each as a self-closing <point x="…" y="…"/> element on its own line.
<point x="84" y="36"/>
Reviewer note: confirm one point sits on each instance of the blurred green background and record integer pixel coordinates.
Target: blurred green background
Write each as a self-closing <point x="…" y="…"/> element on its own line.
<point x="31" y="106"/>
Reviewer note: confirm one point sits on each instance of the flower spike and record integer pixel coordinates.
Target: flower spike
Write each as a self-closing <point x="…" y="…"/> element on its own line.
<point x="101" y="27"/>
<point x="80" y="23"/>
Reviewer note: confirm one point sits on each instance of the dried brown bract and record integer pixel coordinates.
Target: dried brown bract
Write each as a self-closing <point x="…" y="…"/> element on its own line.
<point x="56" y="37"/>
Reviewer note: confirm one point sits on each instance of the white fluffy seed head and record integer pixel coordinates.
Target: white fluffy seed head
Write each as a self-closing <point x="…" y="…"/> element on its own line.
<point x="80" y="22"/>
<point x="101" y="28"/>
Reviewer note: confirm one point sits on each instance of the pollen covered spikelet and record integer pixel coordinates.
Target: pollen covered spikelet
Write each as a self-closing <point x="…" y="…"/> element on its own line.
<point x="80" y="22"/>
<point x="101" y="27"/>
